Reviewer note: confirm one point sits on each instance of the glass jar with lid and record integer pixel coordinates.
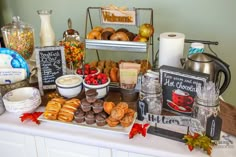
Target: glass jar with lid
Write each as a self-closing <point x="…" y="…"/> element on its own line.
<point x="19" y="37"/>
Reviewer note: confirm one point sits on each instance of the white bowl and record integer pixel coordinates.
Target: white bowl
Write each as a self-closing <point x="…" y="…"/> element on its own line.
<point x="69" y="86"/>
<point x="102" y="89"/>
<point x="22" y="100"/>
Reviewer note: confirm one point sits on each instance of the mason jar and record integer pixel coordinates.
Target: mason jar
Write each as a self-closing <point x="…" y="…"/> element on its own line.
<point x="202" y="109"/>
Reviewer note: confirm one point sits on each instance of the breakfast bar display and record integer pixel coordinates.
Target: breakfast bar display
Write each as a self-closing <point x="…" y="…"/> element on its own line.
<point x="111" y="107"/>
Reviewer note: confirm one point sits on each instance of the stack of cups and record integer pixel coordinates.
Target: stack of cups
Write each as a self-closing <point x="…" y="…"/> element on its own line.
<point x="196" y="48"/>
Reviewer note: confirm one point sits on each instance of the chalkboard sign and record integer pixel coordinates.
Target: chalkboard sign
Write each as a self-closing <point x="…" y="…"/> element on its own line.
<point x="179" y="88"/>
<point x="51" y="64"/>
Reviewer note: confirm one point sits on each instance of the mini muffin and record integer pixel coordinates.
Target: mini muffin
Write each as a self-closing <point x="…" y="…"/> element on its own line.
<point x="98" y="106"/>
<point x="101" y="119"/>
<point x="85" y="105"/>
<point x="91" y="95"/>
<point x="90" y="117"/>
<point x="79" y="116"/>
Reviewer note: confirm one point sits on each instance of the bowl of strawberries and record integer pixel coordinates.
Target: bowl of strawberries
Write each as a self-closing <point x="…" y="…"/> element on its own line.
<point x="88" y="70"/>
<point x="99" y="82"/>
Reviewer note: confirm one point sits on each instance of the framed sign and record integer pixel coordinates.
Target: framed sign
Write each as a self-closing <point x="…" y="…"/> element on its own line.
<point x="179" y="88"/>
<point x="118" y="17"/>
<point x="51" y="64"/>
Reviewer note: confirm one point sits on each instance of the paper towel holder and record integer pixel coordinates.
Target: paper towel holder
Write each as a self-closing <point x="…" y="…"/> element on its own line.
<point x="209" y="43"/>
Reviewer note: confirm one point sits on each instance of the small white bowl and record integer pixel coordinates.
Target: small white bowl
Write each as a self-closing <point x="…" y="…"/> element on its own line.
<point x="69" y="86"/>
<point x="102" y="89"/>
<point x="22" y="100"/>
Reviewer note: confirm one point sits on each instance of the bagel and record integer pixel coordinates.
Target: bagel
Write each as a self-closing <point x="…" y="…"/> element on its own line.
<point x="106" y="35"/>
<point x="109" y="29"/>
<point x="122" y="30"/>
<point x="98" y="28"/>
<point x="131" y="36"/>
<point x="119" y="36"/>
<point x="96" y="35"/>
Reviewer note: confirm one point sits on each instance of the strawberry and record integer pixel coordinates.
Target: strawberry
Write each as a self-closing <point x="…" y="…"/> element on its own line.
<point x="88" y="82"/>
<point x="104" y="81"/>
<point x="86" y="66"/>
<point x="79" y="71"/>
<point x="95" y="82"/>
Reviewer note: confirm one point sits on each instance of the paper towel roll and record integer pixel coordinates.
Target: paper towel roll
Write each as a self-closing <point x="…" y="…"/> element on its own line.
<point x="171" y="49"/>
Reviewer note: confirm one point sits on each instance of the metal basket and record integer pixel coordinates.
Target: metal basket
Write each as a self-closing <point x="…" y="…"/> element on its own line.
<point x="8" y="87"/>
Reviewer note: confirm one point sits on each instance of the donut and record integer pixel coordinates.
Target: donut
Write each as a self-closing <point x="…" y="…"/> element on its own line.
<point x="98" y="28"/>
<point x="122" y="30"/>
<point x="130" y="35"/>
<point x="94" y="35"/>
<point x="119" y="36"/>
<point x="109" y="29"/>
<point x="106" y="35"/>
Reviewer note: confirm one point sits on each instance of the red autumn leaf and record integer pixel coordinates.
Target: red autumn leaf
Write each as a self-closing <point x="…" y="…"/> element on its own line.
<point x="190" y="147"/>
<point x="31" y="116"/>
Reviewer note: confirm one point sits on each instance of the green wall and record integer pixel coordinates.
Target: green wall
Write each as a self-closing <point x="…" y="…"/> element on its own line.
<point x="198" y="19"/>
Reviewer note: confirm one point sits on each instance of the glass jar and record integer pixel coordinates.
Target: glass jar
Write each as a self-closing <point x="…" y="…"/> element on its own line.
<point x="47" y="35"/>
<point x="19" y="37"/>
<point x="150" y="96"/>
<point x="202" y="109"/>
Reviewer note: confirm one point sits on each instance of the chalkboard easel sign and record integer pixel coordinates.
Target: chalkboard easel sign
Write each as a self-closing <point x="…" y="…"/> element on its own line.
<point x="51" y="64"/>
<point x="179" y="88"/>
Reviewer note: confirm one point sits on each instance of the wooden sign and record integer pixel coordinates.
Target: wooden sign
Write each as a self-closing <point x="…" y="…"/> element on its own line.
<point x="118" y="17"/>
<point x="179" y="88"/>
<point x="51" y="64"/>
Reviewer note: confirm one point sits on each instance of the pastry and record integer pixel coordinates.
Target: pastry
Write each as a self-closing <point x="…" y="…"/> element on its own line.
<point x="126" y="120"/>
<point x="79" y="116"/>
<point x="119" y="36"/>
<point x="123" y="105"/>
<point x="66" y="113"/>
<point x="98" y="106"/>
<point x="130" y="112"/>
<point x="52" y="109"/>
<point x="101" y="119"/>
<point x="117" y="113"/>
<point x="96" y="35"/>
<point x="112" y="122"/>
<point x="85" y="105"/>
<point x="108" y="106"/>
<point x="60" y="100"/>
<point x="113" y="74"/>
<point x="90" y="117"/>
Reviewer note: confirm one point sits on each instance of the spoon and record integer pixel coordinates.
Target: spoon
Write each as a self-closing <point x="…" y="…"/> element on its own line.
<point x="180" y="107"/>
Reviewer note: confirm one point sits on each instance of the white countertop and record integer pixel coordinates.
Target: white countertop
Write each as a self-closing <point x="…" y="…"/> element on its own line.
<point x="149" y="145"/>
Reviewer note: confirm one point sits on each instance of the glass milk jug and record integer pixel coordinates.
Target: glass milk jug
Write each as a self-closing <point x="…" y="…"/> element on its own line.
<point x="47" y="35"/>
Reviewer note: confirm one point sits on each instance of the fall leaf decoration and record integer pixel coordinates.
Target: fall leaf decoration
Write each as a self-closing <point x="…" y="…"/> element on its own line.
<point x="201" y="141"/>
<point x="138" y="129"/>
<point x="31" y="116"/>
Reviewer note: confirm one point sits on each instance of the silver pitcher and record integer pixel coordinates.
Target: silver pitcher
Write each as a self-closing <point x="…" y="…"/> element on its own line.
<point x="212" y="65"/>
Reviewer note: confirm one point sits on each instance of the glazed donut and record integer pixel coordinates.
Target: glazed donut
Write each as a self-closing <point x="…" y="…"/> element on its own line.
<point x="94" y="35"/>
<point x="110" y="29"/>
<point x="106" y="35"/>
<point x="122" y="30"/>
<point x="98" y="28"/>
<point x="119" y="36"/>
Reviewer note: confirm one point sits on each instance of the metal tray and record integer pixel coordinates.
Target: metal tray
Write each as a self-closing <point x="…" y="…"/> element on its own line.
<point x="130" y="46"/>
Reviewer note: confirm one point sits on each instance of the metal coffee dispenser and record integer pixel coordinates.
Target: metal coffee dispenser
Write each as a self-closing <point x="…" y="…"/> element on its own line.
<point x="212" y="65"/>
